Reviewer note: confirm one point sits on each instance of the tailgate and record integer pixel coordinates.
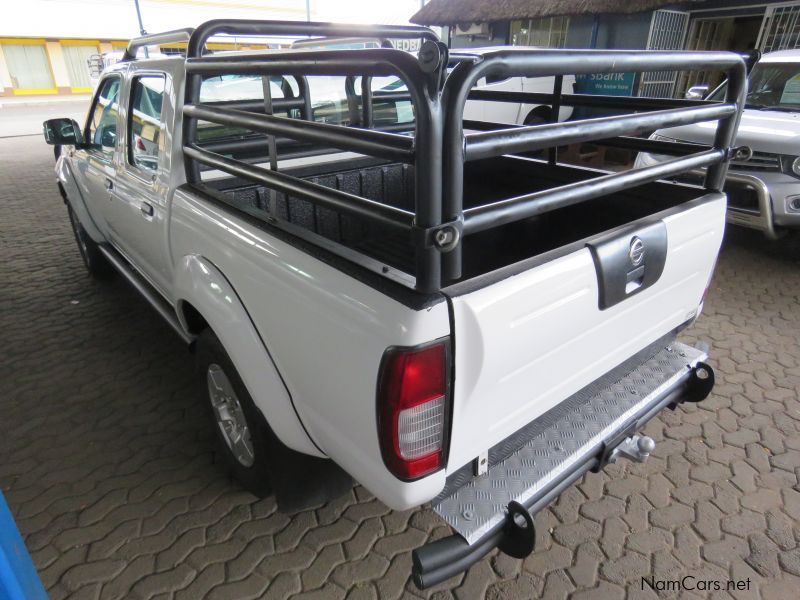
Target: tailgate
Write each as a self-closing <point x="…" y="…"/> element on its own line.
<point x="526" y="343"/>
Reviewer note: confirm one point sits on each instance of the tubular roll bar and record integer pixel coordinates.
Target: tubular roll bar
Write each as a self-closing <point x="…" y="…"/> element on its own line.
<point x="313" y="192"/>
<point x="421" y="75"/>
<point x="154" y="39"/>
<point x="437" y="147"/>
<point x="365" y="141"/>
<point x="301" y="28"/>
<point x="459" y="148"/>
<point x="482" y="218"/>
<point x="489" y="144"/>
<point x="586" y="100"/>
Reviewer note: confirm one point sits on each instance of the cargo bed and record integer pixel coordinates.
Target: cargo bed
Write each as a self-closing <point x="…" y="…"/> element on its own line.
<point x="486" y="182"/>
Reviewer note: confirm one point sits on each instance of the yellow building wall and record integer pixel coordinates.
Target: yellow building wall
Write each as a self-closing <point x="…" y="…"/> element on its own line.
<point x="54" y="50"/>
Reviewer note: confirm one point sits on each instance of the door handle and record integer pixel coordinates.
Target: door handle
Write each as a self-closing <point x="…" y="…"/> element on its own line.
<point x="147" y="209"/>
<point x="109" y="184"/>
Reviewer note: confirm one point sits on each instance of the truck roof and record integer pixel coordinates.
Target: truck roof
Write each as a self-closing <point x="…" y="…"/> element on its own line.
<point x="782" y="56"/>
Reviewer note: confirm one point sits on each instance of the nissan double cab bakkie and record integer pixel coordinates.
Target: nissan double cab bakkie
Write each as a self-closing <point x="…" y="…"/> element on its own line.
<point x="381" y="290"/>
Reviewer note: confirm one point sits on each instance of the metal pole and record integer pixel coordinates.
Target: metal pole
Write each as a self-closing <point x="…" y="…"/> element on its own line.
<point x="308" y="11"/>
<point x="141" y="25"/>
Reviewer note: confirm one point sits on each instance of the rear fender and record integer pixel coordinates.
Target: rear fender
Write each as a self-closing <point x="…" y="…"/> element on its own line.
<point x="201" y="284"/>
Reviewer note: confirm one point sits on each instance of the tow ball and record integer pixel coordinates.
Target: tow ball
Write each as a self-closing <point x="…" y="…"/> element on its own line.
<point x="636" y="448"/>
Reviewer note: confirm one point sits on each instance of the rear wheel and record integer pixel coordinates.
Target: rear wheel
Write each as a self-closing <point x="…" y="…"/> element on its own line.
<point x="93" y="259"/>
<point x="242" y="434"/>
<point x="538" y="116"/>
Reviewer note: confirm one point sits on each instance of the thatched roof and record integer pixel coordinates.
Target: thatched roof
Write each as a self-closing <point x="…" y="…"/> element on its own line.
<point x="449" y="12"/>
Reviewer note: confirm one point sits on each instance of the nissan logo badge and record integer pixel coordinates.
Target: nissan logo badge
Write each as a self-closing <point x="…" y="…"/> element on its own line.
<point x="636" y="253"/>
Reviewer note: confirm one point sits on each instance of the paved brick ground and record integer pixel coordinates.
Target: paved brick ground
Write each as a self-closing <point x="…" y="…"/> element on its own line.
<point x="107" y="463"/>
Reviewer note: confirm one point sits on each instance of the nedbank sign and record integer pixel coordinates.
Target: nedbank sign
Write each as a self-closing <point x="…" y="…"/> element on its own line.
<point x="607" y="84"/>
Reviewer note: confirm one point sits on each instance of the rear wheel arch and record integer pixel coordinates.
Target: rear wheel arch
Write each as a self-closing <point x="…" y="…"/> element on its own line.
<point x="206" y="300"/>
<point x="191" y="319"/>
<point x="540" y="114"/>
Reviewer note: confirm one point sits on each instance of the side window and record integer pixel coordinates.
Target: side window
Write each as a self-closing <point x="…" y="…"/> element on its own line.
<point x="144" y="121"/>
<point x="246" y="89"/>
<point x="102" y="133"/>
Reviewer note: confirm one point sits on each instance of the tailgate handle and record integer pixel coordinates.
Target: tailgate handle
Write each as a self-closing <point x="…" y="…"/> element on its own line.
<point x="629" y="262"/>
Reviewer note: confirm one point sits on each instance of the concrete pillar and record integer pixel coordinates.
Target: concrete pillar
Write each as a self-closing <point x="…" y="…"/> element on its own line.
<point x="59" y="67"/>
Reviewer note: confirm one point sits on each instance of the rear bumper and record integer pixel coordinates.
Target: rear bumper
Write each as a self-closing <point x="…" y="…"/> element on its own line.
<point x="579" y="435"/>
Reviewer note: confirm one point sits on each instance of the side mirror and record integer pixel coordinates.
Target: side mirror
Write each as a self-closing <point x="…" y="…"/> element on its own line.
<point x="697" y="92"/>
<point x="62" y="131"/>
<point x="108" y="137"/>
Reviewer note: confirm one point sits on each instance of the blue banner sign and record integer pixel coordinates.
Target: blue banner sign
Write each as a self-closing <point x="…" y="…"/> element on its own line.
<point x="605" y="84"/>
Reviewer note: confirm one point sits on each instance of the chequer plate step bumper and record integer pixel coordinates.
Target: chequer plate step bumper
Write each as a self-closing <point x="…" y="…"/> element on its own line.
<point x="478" y="506"/>
<point x="575" y="437"/>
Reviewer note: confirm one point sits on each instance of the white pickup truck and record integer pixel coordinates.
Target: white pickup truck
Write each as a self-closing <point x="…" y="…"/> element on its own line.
<point x="391" y="299"/>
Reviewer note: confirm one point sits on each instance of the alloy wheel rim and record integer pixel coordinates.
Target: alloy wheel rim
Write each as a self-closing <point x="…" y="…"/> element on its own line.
<point x="229" y="415"/>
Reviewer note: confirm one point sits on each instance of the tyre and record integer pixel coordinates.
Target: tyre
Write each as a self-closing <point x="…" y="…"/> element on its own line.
<point x="538" y="116"/>
<point x="95" y="262"/>
<point x="243" y="436"/>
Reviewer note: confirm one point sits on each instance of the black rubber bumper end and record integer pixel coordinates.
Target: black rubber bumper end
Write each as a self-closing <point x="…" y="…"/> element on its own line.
<point x="701" y="382"/>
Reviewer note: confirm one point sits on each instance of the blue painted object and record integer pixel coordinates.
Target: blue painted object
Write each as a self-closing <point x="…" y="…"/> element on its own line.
<point x="18" y="577"/>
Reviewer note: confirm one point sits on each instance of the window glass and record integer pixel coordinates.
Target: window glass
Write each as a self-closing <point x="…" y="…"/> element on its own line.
<point x="548" y="32"/>
<point x="519" y="33"/>
<point x="227" y="88"/>
<point x="28" y="66"/>
<point x="238" y="88"/>
<point x="103" y="122"/>
<point x="771" y="86"/>
<point x="328" y="95"/>
<point x="144" y="121"/>
<point x="775" y="86"/>
<point x="387" y="110"/>
<point x="77" y="59"/>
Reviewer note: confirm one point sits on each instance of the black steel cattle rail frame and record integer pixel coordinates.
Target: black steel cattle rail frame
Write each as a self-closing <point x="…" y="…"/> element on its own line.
<point x="438" y="147"/>
<point x="513" y="62"/>
<point x="422" y="77"/>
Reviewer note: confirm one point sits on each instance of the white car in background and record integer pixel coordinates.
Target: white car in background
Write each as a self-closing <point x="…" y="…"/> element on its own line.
<point x="764" y="191"/>
<point x="513" y="113"/>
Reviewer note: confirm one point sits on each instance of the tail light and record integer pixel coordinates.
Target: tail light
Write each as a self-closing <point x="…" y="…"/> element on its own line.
<point x="413" y="409"/>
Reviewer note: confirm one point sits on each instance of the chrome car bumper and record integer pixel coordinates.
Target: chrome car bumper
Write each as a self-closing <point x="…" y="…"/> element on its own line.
<point x="762" y="218"/>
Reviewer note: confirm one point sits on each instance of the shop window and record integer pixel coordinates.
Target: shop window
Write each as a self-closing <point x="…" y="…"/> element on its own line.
<point x="548" y="32"/>
<point x="77" y="59"/>
<point x="29" y="66"/>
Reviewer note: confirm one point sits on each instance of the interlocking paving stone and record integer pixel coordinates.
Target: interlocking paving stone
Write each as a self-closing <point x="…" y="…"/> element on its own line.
<point x="107" y="460"/>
